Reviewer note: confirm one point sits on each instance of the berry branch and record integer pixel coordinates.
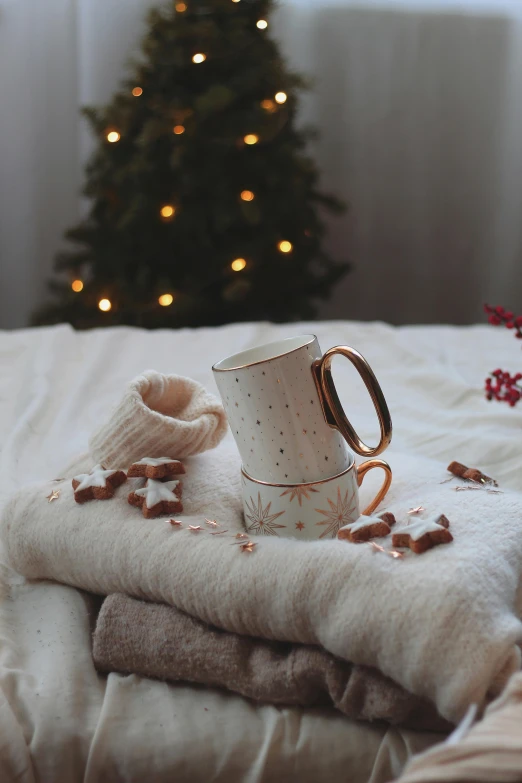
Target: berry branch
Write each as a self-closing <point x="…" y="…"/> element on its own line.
<point x="501" y="385"/>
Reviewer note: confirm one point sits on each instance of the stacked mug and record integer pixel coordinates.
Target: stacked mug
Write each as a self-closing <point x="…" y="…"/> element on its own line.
<point x="299" y="477"/>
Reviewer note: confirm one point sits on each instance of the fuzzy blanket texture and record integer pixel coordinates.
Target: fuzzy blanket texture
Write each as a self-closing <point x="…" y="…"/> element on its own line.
<point x="156" y="640"/>
<point x="444" y="625"/>
<point x="490" y="753"/>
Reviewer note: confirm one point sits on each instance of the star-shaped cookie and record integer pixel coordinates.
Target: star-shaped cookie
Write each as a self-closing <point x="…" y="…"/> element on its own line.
<point x="423" y="534"/>
<point x="158" y="498"/>
<point x="99" y="484"/>
<point x="366" y="527"/>
<point x="155" y="468"/>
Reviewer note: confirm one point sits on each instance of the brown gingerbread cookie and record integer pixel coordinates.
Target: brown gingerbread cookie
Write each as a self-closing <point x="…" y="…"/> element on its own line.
<point x="99" y="484"/>
<point x="155" y="468"/>
<point x="157" y="498"/>
<point x="367" y="527"/>
<point x="423" y="534"/>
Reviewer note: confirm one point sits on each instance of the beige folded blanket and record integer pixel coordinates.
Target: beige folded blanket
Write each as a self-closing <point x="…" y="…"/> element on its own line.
<point x="490" y="753"/>
<point x="444" y="624"/>
<point x="155" y="640"/>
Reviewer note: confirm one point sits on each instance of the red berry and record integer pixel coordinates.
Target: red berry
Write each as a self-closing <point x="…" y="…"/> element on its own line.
<point x="518" y="376"/>
<point x="499" y="310"/>
<point x="494" y="320"/>
<point x="496" y="373"/>
<point x="518" y="320"/>
<point x="510" y="325"/>
<point x="508" y="314"/>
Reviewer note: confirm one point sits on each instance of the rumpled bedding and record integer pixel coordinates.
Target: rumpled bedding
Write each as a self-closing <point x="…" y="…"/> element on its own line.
<point x="58" y="719"/>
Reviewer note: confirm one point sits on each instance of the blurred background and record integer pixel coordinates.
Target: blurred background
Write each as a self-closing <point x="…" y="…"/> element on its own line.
<point x="418" y="105"/>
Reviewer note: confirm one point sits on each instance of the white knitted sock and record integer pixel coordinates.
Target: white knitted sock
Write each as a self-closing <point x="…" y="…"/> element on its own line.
<point x="159" y="416"/>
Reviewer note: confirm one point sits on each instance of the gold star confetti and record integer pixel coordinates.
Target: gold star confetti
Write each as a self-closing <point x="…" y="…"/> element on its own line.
<point x="219" y="532"/>
<point x="416" y="510"/>
<point x="241" y="535"/>
<point x="195" y="528"/>
<point x="176" y="523"/>
<point x="54" y="495"/>
<point x="248" y="546"/>
<point x="390" y="552"/>
<point x="211" y="522"/>
<point x="478" y="488"/>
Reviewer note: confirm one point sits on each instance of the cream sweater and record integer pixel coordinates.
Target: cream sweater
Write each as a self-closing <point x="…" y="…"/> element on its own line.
<point x="159" y="416"/>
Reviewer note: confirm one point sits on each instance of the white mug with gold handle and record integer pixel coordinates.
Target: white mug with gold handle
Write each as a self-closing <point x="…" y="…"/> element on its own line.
<point x="285" y="414"/>
<point x="311" y="511"/>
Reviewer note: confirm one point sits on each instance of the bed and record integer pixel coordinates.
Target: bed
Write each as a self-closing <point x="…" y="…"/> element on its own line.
<point x="58" y="719"/>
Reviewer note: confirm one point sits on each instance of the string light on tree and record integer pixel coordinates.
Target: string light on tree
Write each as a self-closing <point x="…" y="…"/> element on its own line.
<point x="268" y="105"/>
<point x="281" y="97"/>
<point x="262" y="24"/>
<point x="178" y="129"/>
<point x="247" y="195"/>
<point x="180" y="7"/>
<point x="105" y="305"/>
<point x="251" y="138"/>
<point x="113" y="136"/>
<point x="238" y="264"/>
<point x="167" y="211"/>
<point x="77" y="286"/>
<point x="199" y="57"/>
<point x="285" y="246"/>
<point x="137" y="91"/>
<point x="165" y="300"/>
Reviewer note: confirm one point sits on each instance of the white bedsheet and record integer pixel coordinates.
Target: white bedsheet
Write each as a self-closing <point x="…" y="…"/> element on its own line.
<point x="58" y="720"/>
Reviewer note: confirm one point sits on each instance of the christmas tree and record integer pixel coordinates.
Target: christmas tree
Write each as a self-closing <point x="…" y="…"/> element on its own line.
<point x="205" y="207"/>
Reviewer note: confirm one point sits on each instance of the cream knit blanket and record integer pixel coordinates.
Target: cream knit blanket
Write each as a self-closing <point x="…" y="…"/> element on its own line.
<point x="443" y="624"/>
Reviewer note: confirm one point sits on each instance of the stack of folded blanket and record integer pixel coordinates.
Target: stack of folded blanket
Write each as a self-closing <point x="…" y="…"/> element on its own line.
<point x="411" y="641"/>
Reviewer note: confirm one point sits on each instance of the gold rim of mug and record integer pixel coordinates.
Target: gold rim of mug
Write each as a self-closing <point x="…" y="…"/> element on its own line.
<point x="301" y="483"/>
<point x="215" y="367"/>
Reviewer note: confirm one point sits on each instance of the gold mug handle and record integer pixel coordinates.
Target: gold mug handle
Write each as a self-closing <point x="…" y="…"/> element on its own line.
<point x="331" y="404"/>
<point x="363" y="469"/>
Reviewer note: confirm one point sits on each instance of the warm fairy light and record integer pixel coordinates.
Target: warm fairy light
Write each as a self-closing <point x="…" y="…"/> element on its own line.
<point x="77" y="286"/>
<point x="262" y="24"/>
<point x="137" y="91"/>
<point x="235" y="1"/>
<point x="180" y="7"/>
<point x="178" y="129"/>
<point x="113" y="136"/>
<point x="285" y="246"/>
<point x="251" y="138"/>
<point x="281" y="97"/>
<point x="268" y="105"/>
<point x="247" y="195"/>
<point x="165" y="300"/>
<point x="167" y="211"/>
<point x="238" y="264"/>
<point x="199" y="58"/>
<point x="105" y="305"/>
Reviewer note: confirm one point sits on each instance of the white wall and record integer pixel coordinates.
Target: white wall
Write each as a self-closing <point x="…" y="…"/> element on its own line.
<point x="420" y="109"/>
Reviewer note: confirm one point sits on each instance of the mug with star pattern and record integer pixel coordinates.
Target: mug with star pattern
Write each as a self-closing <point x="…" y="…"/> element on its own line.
<point x="284" y="412"/>
<point x="312" y="511"/>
